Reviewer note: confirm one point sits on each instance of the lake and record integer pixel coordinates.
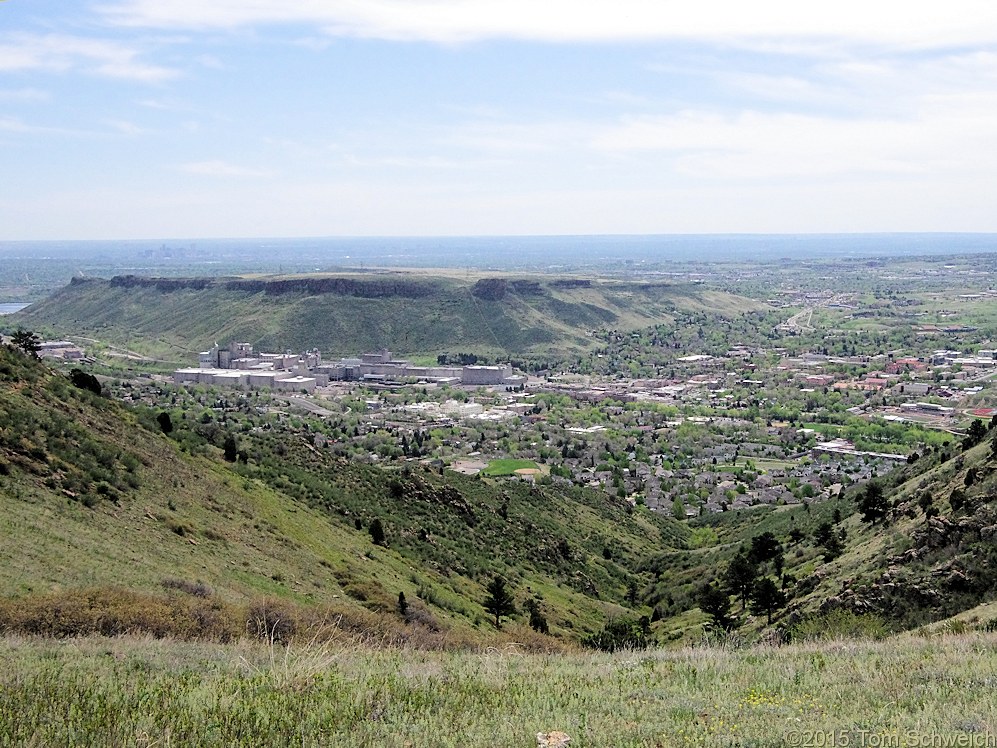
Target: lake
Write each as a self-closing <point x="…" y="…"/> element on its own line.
<point x="11" y="307"/>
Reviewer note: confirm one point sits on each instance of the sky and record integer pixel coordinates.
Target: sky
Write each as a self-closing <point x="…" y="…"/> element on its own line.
<point x="148" y="119"/>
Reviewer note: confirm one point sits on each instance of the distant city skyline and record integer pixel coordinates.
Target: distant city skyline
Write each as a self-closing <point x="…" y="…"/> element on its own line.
<point x="133" y="119"/>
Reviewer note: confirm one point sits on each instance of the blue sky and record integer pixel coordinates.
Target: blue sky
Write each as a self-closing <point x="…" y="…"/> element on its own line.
<point x="217" y="118"/>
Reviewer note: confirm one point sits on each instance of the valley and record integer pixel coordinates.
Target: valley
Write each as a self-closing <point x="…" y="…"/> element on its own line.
<point x="755" y="453"/>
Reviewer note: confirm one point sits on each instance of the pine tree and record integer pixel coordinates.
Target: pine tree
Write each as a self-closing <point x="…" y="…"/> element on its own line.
<point x="764" y="547"/>
<point x="766" y="597"/>
<point x="716" y="604"/>
<point x="740" y="576"/>
<point x="975" y="434"/>
<point x="376" y="531"/>
<point x="499" y="601"/>
<point x="873" y="504"/>
<point x="231" y="448"/>
<point x="165" y="422"/>
<point x="27" y="342"/>
<point x="538" y="622"/>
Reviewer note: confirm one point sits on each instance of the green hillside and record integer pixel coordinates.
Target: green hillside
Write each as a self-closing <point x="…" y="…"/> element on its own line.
<point x="101" y="510"/>
<point x="933" y="554"/>
<point x="928" y="554"/>
<point x="413" y="314"/>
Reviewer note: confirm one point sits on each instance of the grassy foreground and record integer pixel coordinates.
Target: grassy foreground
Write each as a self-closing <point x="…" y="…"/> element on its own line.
<point x="125" y="691"/>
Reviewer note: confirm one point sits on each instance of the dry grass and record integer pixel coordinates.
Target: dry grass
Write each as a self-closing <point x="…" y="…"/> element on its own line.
<point x="320" y="692"/>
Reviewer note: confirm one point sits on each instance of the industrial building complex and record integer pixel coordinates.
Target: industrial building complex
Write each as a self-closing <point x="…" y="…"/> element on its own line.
<point x="238" y="366"/>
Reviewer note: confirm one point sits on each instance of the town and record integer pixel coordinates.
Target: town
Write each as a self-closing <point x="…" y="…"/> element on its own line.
<point x="719" y="431"/>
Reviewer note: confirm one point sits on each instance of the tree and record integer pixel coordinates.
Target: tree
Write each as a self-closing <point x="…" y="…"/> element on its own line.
<point x="832" y="548"/>
<point x="538" y="622"/>
<point x="402" y="604"/>
<point x="740" y="576"/>
<point x="165" y="422"/>
<point x="873" y="504"/>
<point x="231" y="448"/>
<point x="678" y="508"/>
<point x="499" y="601"/>
<point x="27" y="342"/>
<point x="376" y="531"/>
<point x="85" y="381"/>
<point x="825" y="537"/>
<point x="823" y="533"/>
<point x="766" y="597"/>
<point x="764" y="547"/>
<point x="977" y="431"/>
<point x="716" y="604"/>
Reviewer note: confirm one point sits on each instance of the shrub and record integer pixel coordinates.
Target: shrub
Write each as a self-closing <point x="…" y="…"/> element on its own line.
<point x="839" y="624"/>
<point x="195" y="589"/>
<point x="621" y="633"/>
<point x="271" y="621"/>
<point x="115" y="611"/>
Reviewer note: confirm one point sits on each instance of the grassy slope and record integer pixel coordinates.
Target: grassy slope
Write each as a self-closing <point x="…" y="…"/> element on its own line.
<point x="910" y="570"/>
<point x="196" y="518"/>
<point x="176" y="323"/>
<point x="956" y="564"/>
<point x="907" y="690"/>
<point x="240" y="537"/>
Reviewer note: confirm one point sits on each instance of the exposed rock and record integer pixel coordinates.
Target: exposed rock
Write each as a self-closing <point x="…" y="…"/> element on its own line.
<point x="490" y="289"/>
<point x="936" y="534"/>
<point x="553" y="739"/>
<point x="527" y="288"/>
<point x="571" y="283"/>
<point x="367" y="289"/>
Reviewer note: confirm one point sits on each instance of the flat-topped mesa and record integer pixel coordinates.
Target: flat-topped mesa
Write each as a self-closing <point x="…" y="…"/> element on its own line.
<point x="495" y="289"/>
<point x="366" y="289"/>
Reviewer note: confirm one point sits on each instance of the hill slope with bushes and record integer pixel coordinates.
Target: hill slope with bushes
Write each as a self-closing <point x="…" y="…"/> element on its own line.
<point x="911" y="548"/>
<point x="103" y="511"/>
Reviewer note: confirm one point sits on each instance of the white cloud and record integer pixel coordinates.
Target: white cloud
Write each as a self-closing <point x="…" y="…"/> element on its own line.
<point x="518" y="137"/>
<point x="13" y="124"/>
<point x="61" y="53"/>
<point x="950" y="139"/>
<point x="24" y="94"/>
<point x="124" y="127"/>
<point x="17" y="125"/>
<point x="218" y="168"/>
<point x="165" y="106"/>
<point x="892" y="22"/>
<point x="424" y="163"/>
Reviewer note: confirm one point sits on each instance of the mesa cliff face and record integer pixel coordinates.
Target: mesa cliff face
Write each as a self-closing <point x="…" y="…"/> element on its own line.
<point x="414" y="315"/>
<point x="364" y="289"/>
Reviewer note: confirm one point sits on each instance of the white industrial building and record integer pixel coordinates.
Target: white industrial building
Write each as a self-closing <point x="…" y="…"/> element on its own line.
<point x="237" y="366"/>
